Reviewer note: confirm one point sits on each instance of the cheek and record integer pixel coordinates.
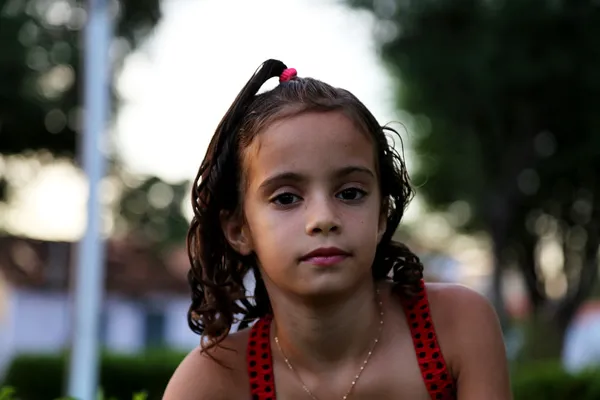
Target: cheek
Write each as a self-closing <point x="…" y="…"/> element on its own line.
<point x="373" y="210"/>
<point x="267" y="228"/>
<point x="256" y="216"/>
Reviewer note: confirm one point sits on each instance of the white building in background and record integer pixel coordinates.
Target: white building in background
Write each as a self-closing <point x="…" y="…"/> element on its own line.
<point x="145" y="303"/>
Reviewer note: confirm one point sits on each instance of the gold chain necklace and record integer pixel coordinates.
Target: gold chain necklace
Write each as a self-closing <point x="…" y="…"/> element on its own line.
<point x="362" y="367"/>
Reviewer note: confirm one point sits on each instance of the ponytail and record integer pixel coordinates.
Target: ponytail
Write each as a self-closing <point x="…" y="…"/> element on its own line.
<point x="214" y="291"/>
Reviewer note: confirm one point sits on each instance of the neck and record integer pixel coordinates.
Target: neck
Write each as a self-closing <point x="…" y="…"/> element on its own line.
<point x="320" y="336"/>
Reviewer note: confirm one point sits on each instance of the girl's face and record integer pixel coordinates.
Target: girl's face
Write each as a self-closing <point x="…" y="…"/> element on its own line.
<point x="312" y="204"/>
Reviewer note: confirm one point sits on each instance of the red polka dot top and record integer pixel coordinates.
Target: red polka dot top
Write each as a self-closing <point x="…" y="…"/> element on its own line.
<point x="434" y="370"/>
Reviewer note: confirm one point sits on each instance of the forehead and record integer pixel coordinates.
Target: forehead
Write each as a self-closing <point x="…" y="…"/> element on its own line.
<point x="311" y="142"/>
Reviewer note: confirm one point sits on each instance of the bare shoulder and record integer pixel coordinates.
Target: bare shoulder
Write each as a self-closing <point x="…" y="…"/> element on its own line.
<point x="461" y="315"/>
<point x="219" y="373"/>
<point x="470" y="337"/>
<point x="458" y="306"/>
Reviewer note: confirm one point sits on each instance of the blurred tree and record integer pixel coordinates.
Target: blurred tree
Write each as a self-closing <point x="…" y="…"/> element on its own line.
<point x="40" y="71"/>
<point x="504" y="97"/>
<point x="151" y="209"/>
<point x="41" y="101"/>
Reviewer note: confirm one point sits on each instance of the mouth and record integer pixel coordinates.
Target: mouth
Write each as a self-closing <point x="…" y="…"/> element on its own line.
<point x="325" y="256"/>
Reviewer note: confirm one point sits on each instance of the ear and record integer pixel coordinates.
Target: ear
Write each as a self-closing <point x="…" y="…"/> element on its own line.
<point x="382" y="221"/>
<point x="236" y="232"/>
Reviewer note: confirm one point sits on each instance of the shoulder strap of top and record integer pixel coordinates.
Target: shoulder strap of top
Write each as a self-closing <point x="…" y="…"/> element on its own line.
<point x="434" y="370"/>
<point x="259" y="361"/>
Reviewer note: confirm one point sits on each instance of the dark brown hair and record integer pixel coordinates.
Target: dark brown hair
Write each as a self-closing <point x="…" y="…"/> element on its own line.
<point x="217" y="272"/>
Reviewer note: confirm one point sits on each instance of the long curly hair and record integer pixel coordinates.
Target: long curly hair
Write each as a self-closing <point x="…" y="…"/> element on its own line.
<point x="216" y="276"/>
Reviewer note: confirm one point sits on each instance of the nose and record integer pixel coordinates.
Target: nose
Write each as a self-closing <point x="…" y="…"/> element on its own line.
<point x="322" y="217"/>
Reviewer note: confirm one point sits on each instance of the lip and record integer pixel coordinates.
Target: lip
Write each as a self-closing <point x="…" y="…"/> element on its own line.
<point x="325" y="256"/>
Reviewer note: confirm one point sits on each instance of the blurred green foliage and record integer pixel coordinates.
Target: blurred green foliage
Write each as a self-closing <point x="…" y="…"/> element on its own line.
<point x="501" y="99"/>
<point x="41" y="102"/>
<point x="549" y="381"/>
<point x="152" y="209"/>
<point x="36" y="377"/>
<point x="40" y="68"/>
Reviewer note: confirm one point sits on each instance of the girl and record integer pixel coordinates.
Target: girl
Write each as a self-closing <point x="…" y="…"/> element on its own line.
<point x="300" y="187"/>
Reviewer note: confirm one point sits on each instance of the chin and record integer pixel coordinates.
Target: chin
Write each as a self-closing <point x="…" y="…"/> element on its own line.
<point x="325" y="286"/>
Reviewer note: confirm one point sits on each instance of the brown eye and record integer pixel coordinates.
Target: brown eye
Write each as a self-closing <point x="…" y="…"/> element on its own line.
<point x="351" y="194"/>
<point x="285" y="199"/>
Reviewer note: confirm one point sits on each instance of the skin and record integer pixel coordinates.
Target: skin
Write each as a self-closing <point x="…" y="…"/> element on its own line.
<point x="312" y="182"/>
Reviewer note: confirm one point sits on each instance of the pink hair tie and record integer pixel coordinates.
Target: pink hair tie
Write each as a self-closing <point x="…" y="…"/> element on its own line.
<point x="288" y="74"/>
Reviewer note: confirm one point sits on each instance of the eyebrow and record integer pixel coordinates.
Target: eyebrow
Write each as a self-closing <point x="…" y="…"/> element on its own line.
<point x="296" y="177"/>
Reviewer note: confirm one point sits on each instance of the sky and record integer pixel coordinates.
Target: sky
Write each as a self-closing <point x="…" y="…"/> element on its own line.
<point x="177" y="89"/>
<point x="178" y="84"/>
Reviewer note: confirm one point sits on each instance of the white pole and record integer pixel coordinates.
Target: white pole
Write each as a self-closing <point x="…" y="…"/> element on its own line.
<point x="89" y="284"/>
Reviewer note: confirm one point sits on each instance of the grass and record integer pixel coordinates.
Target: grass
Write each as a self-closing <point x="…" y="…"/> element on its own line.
<point x="8" y="393"/>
